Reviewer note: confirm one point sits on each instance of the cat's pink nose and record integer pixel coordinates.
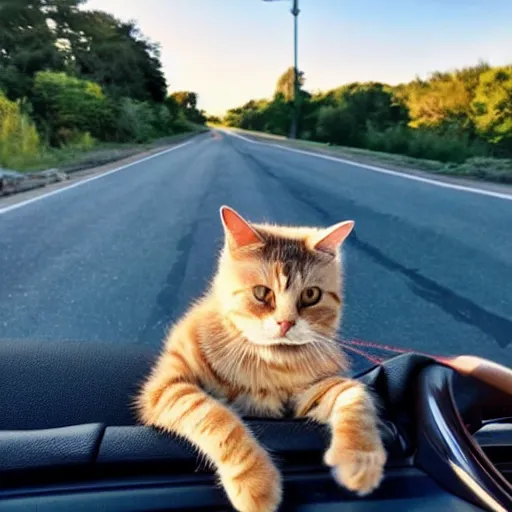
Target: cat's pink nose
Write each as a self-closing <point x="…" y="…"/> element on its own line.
<point x="285" y="326"/>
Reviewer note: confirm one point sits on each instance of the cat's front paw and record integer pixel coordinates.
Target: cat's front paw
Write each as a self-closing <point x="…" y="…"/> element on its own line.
<point x="357" y="470"/>
<point x="255" y="487"/>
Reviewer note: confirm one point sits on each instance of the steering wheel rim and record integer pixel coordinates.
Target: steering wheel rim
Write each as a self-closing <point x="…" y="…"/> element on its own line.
<point x="446" y="449"/>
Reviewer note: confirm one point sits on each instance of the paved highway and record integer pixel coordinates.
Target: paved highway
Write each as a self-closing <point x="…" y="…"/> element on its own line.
<point x="118" y="258"/>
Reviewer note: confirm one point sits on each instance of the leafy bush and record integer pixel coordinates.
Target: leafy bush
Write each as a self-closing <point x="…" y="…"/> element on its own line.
<point x="136" y="121"/>
<point x="64" y="104"/>
<point x="424" y="143"/>
<point x="164" y="122"/>
<point x="180" y="123"/>
<point x="492" y="106"/>
<point x="492" y="169"/>
<point x="18" y="134"/>
<point x="82" y="141"/>
<point x="394" y="139"/>
<point x="443" y="147"/>
<point x="337" y="125"/>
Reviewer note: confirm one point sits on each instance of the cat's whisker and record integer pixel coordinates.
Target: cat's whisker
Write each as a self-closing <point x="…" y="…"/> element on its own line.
<point x="324" y="338"/>
<point x="318" y="351"/>
<point x="321" y="351"/>
<point x="352" y="349"/>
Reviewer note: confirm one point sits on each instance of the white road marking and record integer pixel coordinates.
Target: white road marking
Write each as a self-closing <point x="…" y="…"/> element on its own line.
<point x="87" y="180"/>
<point x="374" y="168"/>
<point x="237" y="135"/>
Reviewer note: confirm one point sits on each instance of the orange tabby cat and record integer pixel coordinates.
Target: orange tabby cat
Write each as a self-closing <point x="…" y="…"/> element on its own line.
<point x="260" y="342"/>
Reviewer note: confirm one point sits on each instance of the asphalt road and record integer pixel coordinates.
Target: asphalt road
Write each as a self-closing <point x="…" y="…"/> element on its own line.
<point x="118" y="258"/>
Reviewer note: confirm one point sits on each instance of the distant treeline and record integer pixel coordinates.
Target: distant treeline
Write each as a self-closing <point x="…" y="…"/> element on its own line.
<point x="450" y="117"/>
<point x="71" y="77"/>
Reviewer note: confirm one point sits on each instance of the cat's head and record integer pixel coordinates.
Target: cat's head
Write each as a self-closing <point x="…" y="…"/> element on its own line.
<point x="280" y="285"/>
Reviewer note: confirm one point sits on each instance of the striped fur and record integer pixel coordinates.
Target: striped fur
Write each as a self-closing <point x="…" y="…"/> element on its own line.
<point x="225" y="358"/>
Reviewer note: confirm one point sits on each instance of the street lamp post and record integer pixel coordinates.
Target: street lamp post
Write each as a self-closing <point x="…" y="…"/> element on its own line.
<point x="296" y="97"/>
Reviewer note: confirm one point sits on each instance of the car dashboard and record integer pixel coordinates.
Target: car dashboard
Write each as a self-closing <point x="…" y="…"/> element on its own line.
<point x="68" y="441"/>
<point x="135" y="468"/>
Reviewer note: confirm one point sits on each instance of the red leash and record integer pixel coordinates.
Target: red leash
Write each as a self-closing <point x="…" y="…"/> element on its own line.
<point x="350" y="344"/>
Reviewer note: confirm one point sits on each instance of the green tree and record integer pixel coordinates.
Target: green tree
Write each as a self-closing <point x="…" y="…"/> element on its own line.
<point x="286" y="83"/>
<point x="372" y="102"/>
<point x="338" y="125"/>
<point x="27" y="45"/>
<point x="251" y="118"/>
<point x="185" y="99"/>
<point x="55" y="35"/>
<point x="65" y="105"/>
<point x="492" y="106"/>
<point x="113" y="54"/>
<point x="448" y="117"/>
<point x="276" y="115"/>
<point x="186" y="102"/>
<point x="443" y="102"/>
<point x="213" y="119"/>
<point x="82" y="75"/>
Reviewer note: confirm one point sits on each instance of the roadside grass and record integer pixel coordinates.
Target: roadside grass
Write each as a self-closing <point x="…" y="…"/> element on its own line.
<point x="73" y="158"/>
<point x="497" y="170"/>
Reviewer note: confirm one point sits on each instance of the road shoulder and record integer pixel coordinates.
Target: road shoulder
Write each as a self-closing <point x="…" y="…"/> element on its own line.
<point x="9" y="201"/>
<point x="367" y="161"/>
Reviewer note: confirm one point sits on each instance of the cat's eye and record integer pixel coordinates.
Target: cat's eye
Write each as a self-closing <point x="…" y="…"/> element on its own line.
<point x="310" y="296"/>
<point x="261" y="293"/>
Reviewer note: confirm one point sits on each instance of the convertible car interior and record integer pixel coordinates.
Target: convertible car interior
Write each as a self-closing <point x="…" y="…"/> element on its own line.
<point x="69" y="441"/>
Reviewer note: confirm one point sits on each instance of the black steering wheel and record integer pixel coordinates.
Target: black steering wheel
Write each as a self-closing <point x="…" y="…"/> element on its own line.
<point x="447" y="416"/>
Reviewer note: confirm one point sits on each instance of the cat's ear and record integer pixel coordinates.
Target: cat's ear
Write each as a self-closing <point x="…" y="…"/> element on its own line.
<point x="329" y="239"/>
<point x="238" y="231"/>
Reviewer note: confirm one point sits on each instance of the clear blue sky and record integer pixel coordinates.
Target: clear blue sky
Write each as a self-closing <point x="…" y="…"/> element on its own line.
<point x="230" y="51"/>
